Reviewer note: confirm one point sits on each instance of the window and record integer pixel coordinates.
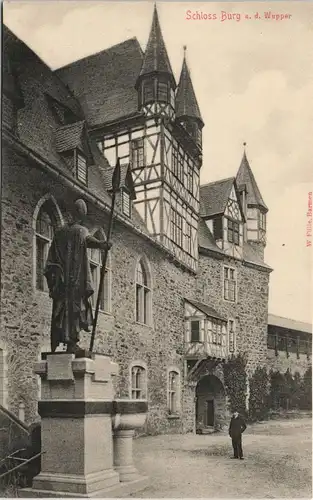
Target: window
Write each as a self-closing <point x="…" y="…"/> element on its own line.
<point x="231" y="335"/>
<point x="137" y="153"/>
<point x="199" y="136"/>
<point x="46" y="219"/>
<point x="95" y="261"/>
<point x="172" y="94"/>
<point x="143" y="295"/>
<point x="44" y="235"/>
<point x="216" y="333"/>
<point x="173" y="391"/>
<point x="148" y="91"/>
<point x="195" y="331"/>
<point x="138" y="382"/>
<point x="233" y="231"/>
<point x="262" y="221"/>
<point x="190" y="179"/>
<point x="162" y="92"/>
<point x="177" y="164"/>
<point x="188" y="238"/>
<point x="229" y="284"/>
<point x="81" y="168"/>
<point x="176" y="228"/>
<point x="126" y="206"/>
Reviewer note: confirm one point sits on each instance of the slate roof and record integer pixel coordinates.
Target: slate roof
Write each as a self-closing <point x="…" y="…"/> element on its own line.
<point x="206" y="309"/>
<point x="156" y="58"/>
<point x="69" y="137"/>
<point x="245" y="176"/>
<point x="186" y="101"/>
<point x="126" y="178"/>
<point x="289" y="324"/>
<point x="206" y="239"/>
<point x="214" y="197"/>
<point x="250" y="255"/>
<point x="104" y="83"/>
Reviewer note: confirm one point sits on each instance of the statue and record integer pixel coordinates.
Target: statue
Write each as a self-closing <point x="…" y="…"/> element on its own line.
<point x="69" y="280"/>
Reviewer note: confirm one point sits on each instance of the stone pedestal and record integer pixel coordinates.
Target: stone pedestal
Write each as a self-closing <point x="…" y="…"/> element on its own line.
<point x="76" y="411"/>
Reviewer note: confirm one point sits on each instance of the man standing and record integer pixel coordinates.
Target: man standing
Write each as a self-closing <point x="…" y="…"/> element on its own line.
<point x="69" y="280"/>
<point x="236" y="427"/>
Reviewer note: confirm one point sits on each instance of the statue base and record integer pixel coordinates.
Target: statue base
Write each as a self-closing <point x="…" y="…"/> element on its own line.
<point x="77" y="414"/>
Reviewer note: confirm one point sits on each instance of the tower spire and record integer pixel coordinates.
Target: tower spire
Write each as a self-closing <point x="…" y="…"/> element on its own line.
<point x="186" y="101"/>
<point x="245" y="176"/>
<point x="156" y="60"/>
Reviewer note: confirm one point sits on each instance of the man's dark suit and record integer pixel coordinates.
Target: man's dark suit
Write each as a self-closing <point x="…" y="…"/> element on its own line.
<point x="236" y="427"/>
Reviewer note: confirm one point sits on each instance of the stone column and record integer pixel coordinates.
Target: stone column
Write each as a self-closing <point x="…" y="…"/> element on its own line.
<point x="128" y="416"/>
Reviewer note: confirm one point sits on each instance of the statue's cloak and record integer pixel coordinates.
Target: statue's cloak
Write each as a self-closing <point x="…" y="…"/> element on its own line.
<point x="70" y="284"/>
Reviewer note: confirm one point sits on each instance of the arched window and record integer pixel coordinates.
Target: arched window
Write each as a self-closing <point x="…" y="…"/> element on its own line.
<point x="138" y="382"/>
<point x="95" y="260"/>
<point x="143" y="294"/>
<point x="47" y="218"/>
<point x="173" y="391"/>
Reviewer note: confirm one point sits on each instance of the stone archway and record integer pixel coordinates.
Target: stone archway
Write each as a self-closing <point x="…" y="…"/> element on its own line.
<point x="210" y="404"/>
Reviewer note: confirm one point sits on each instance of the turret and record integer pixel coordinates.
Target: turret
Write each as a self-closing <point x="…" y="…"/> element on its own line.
<point x="187" y="108"/>
<point x="255" y="206"/>
<point x="156" y="83"/>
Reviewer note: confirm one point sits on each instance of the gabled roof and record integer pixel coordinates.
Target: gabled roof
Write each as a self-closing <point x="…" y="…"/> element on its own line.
<point x="289" y="324"/>
<point x="214" y="197"/>
<point x="104" y="83"/>
<point x="245" y="176"/>
<point x="156" y="59"/>
<point x="69" y="137"/>
<point x="206" y="309"/>
<point x="126" y="178"/>
<point x="186" y="101"/>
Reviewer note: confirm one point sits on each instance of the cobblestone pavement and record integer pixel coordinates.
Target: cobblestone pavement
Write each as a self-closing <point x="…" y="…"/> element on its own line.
<point x="277" y="463"/>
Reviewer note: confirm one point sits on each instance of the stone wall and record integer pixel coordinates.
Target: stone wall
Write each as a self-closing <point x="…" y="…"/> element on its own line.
<point x="250" y="311"/>
<point x="282" y="363"/>
<point x="26" y="312"/>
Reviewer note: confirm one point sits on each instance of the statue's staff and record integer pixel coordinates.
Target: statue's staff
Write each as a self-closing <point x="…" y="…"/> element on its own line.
<point x="116" y="179"/>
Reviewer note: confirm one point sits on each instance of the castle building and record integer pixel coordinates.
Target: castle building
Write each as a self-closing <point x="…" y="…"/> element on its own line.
<point x="186" y="285"/>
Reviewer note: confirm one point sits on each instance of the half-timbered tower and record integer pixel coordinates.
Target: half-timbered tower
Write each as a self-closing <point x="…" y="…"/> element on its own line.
<point x="160" y="138"/>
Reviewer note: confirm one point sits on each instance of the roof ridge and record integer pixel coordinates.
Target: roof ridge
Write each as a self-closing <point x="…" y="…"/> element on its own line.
<point x="98" y="53"/>
<point x="216" y="182"/>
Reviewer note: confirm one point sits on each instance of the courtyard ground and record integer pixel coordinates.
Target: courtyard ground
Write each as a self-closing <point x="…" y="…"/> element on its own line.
<point x="278" y="463"/>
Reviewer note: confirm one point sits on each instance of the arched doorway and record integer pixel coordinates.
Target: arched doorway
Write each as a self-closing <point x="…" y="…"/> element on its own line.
<point x="210" y="404"/>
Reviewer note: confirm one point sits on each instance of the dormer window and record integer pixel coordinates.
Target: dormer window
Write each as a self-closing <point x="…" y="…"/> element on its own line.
<point x="233" y="232"/>
<point x="126" y="205"/>
<point x="81" y="168"/>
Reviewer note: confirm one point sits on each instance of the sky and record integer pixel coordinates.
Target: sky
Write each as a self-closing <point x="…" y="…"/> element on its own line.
<point x="253" y="78"/>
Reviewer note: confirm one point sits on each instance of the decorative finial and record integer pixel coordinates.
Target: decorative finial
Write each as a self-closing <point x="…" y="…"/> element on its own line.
<point x="244" y="144"/>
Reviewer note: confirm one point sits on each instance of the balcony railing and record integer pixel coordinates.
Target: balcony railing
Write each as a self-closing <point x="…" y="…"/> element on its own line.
<point x="206" y="349"/>
<point x="289" y="345"/>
